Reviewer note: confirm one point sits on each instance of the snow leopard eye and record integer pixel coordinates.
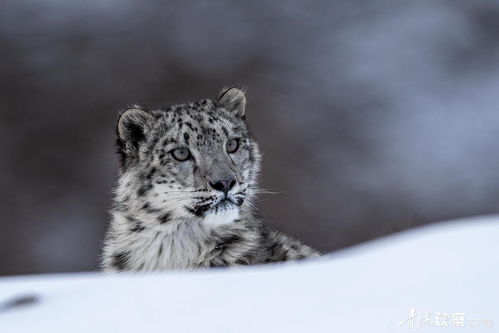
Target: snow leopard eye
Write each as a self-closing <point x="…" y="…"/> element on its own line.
<point x="232" y="146"/>
<point x="181" y="154"/>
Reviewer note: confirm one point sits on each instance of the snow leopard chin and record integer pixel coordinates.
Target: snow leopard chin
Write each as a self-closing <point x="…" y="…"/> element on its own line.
<point x="221" y="215"/>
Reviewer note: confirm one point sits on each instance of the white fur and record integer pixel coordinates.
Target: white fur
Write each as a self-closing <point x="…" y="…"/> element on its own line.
<point x="222" y="216"/>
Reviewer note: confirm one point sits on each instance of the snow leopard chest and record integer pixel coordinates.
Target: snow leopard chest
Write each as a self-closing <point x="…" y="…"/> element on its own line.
<point x="153" y="250"/>
<point x="188" y="248"/>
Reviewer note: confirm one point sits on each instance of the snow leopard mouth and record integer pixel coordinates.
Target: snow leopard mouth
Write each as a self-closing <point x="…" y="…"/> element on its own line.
<point x="225" y="203"/>
<point x="221" y="205"/>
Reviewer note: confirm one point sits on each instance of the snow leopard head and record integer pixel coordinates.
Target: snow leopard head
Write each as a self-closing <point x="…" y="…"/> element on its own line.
<point x="193" y="160"/>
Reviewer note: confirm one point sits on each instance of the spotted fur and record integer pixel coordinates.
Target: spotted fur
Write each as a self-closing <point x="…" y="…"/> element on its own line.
<point x="171" y="214"/>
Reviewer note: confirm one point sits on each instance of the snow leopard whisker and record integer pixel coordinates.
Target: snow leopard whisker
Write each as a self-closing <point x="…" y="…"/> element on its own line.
<point x="186" y="191"/>
<point x="266" y="191"/>
<point x="251" y="204"/>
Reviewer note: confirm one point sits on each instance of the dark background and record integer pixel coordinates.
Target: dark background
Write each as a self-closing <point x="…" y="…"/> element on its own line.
<point x="373" y="116"/>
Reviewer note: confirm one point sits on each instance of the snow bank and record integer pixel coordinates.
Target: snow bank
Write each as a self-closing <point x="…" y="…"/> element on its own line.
<point x="447" y="268"/>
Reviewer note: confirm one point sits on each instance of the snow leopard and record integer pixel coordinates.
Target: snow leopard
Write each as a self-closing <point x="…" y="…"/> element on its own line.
<point x="186" y="189"/>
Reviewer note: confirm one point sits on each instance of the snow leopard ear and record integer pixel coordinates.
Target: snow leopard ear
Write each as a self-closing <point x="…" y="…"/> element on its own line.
<point x="132" y="127"/>
<point x="233" y="100"/>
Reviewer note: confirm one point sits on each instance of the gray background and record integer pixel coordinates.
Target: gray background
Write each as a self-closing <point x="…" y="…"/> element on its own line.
<point x="374" y="117"/>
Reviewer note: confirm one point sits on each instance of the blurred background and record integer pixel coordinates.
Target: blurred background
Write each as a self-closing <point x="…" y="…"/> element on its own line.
<point x="374" y="117"/>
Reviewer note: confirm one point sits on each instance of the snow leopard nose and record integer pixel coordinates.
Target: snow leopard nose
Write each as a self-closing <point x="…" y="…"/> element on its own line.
<point x="223" y="185"/>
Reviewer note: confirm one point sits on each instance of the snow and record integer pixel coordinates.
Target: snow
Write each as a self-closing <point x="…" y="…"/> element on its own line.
<point x="449" y="267"/>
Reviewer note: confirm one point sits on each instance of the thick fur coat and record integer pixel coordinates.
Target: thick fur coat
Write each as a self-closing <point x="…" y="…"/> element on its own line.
<point x="184" y="199"/>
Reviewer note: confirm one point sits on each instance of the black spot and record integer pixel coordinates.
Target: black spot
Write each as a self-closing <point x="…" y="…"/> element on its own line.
<point x="227" y="241"/>
<point x="138" y="227"/>
<point x="143" y="189"/>
<point x="119" y="260"/>
<point x="198" y="211"/>
<point x="186" y="137"/>
<point x="151" y="173"/>
<point x="164" y="218"/>
<point x="276" y="252"/>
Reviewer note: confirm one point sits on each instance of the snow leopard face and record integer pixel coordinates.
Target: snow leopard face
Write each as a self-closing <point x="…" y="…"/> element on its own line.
<point x="188" y="161"/>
